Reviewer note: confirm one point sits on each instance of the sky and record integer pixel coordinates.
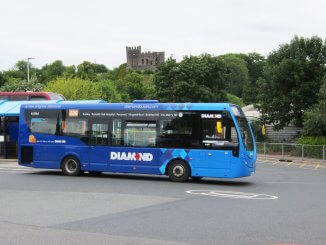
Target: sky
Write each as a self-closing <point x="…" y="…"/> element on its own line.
<point x="99" y="30"/>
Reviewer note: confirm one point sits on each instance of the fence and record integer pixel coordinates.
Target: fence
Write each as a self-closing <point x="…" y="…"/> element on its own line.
<point x="287" y="150"/>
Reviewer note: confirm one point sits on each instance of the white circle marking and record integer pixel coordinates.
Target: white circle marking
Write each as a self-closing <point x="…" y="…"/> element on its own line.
<point x="232" y="194"/>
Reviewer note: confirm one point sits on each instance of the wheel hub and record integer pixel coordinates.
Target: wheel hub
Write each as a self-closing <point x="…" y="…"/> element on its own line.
<point x="71" y="166"/>
<point x="178" y="171"/>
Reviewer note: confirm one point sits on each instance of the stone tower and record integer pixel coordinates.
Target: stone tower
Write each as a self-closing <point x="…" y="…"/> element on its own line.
<point x="138" y="60"/>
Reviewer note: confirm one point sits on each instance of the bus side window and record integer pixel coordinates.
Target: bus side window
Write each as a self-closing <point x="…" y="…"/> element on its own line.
<point x="74" y="127"/>
<point x="116" y="132"/>
<point x="140" y="133"/>
<point x="219" y="133"/>
<point x="43" y="125"/>
<point x="99" y="134"/>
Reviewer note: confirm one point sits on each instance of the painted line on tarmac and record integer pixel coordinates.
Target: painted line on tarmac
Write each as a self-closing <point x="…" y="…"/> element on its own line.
<point x="16" y="169"/>
<point x="14" y="172"/>
<point x="315" y="166"/>
<point x="232" y="194"/>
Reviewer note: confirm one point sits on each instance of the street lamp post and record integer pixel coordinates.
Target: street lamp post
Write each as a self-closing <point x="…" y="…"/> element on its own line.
<point x="28" y="68"/>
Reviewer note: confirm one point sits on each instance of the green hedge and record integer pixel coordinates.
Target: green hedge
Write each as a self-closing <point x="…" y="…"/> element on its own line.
<point x="309" y="140"/>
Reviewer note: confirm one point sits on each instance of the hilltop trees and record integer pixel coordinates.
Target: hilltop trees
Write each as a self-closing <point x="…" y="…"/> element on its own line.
<point x="54" y="70"/>
<point x="195" y="79"/>
<point x="90" y="71"/>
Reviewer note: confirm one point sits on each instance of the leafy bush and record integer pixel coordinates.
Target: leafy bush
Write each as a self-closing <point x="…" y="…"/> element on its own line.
<point x="233" y="99"/>
<point x="74" y="88"/>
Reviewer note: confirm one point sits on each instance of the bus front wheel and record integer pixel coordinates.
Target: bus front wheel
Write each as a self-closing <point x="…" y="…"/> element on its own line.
<point x="71" y="166"/>
<point x="178" y="171"/>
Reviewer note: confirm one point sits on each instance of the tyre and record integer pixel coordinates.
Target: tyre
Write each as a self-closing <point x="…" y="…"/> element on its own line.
<point x="178" y="171"/>
<point x="71" y="166"/>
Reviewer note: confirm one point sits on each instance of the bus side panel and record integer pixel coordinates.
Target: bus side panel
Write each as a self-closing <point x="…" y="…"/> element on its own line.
<point x="47" y="156"/>
<point x="50" y="150"/>
<point x="135" y="160"/>
<point x="240" y="168"/>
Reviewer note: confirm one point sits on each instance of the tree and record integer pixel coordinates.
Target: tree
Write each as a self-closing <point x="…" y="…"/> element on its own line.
<point x="236" y="73"/>
<point x="195" y="79"/>
<point x="51" y="71"/>
<point x="109" y="91"/>
<point x="131" y="87"/>
<point x="14" y="85"/>
<point x="2" y="79"/>
<point x="74" y="88"/>
<point x="255" y="64"/>
<point x="20" y="71"/>
<point x="291" y="79"/>
<point x="315" y="119"/>
<point x="90" y="71"/>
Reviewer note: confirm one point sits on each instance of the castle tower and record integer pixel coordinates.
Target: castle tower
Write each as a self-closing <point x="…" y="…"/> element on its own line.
<point x="138" y="60"/>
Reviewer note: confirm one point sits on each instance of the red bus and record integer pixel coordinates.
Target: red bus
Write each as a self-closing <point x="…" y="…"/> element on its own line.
<point x="15" y="96"/>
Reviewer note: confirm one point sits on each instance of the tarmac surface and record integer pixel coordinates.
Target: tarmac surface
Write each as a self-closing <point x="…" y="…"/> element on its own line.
<point x="280" y="204"/>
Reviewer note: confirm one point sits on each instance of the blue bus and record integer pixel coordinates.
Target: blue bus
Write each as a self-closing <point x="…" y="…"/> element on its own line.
<point x="180" y="140"/>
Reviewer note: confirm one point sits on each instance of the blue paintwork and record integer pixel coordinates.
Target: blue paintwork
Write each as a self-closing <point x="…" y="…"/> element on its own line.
<point x="203" y="162"/>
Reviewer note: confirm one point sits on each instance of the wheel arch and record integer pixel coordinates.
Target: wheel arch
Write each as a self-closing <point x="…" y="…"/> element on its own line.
<point x="69" y="154"/>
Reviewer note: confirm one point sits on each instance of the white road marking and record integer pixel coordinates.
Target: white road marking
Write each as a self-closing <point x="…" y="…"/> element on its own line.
<point x="14" y="172"/>
<point x="17" y="169"/>
<point x="232" y="194"/>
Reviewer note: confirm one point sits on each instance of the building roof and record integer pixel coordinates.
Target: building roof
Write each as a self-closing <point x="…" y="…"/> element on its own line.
<point x="12" y="108"/>
<point x="251" y="112"/>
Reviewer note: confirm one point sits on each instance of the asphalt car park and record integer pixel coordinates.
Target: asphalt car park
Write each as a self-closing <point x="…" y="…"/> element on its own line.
<point x="279" y="204"/>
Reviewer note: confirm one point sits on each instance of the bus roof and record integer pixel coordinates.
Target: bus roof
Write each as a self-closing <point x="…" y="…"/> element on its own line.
<point x="12" y="108"/>
<point x="138" y="105"/>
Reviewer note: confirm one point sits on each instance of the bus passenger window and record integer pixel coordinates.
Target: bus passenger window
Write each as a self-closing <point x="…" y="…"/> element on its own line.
<point x="116" y="132"/>
<point x="74" y="127"/>
<point x="44" y="125"/>
<point x="140" y="133"/>
<point x="99" y="134"/>
<point x="180" y="132"/>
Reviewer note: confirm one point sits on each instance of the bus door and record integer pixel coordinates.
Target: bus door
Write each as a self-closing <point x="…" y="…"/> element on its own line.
<point x="218" y="143"/>
<point x="99" y="145"/>
<point x="134" y="150"/>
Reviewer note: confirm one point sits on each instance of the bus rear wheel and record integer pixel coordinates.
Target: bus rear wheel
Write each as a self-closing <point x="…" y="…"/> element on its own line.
<point x="178" y="171"/>
<point x="71" y="166"/>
